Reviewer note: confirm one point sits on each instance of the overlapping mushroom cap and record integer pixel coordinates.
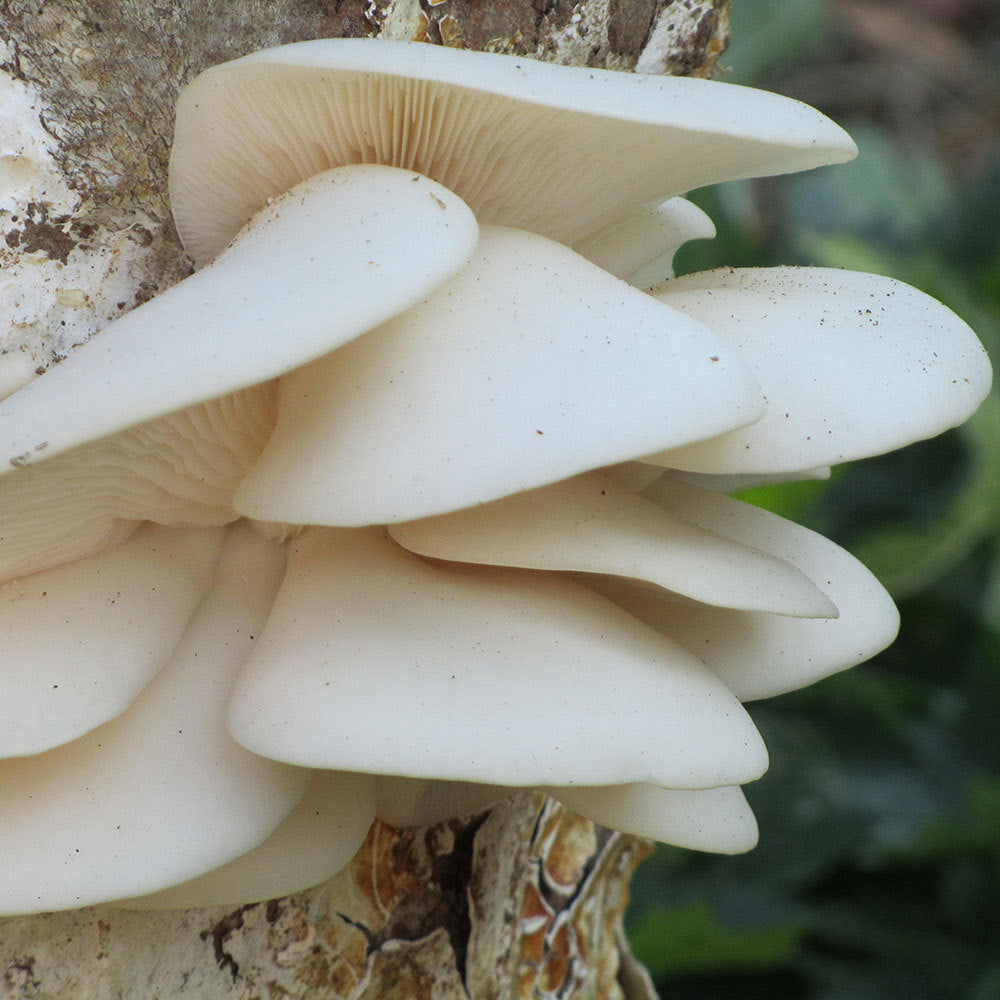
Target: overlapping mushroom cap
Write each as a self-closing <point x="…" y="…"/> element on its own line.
<point x="484" y="463"/>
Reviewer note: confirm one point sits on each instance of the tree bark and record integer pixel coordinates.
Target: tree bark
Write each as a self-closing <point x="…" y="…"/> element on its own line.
<point x="525" y="901"/>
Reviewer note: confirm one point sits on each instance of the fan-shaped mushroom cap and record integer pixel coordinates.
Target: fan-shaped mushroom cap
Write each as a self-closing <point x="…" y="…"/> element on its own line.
<point x="758" y="654"/>
<point x="641" y="248"/>
<point x="320" y="835"/>
<point x="590" y="524"/>
<point x="561" y="151"/>
<point x="530" y="365"/>
<point x="180" y="469"/>
<point x="706" y="819"/>
<point x="376" y="660"/>
<point x="341" y="253"/>
<point x="851" y="365"/>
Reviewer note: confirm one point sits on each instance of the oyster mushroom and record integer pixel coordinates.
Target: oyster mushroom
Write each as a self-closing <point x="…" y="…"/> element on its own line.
<point x="416" y="335"/>
<point x="523" y="143"/>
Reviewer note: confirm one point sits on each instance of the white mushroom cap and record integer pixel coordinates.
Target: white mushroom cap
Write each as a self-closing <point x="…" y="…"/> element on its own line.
<point x="339" y="254"/>
<point x="530" y="365"/>
<point x="376" y="660"/>
<point x="641" y="248"/>
<point x="180" y="469"/>
<point x="320" y="835"/>
<point x="851" y="365"/>
<point x="590" y="524"/>
<point x="162" y="793"/>
<point x="561" y="151"/>
<point x="82" y="640"/>
<point x="705" y="819"/>
<point x="756" y="654"/>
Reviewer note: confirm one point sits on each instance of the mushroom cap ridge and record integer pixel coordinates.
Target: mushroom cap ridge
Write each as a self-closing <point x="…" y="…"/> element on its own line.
<point x="497" y="130"/>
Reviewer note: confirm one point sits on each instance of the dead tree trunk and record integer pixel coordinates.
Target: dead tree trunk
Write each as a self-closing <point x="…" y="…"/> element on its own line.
<point x="523" y="902"/>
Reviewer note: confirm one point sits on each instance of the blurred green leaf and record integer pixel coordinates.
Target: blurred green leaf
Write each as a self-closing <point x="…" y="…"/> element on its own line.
<point x="690" y="938"/>
<point x="796" y="501"/>
<point x="974" y="831"/>
<point x="768" y="35"/>
<point x="907" y="556"/>
<point x="887" y="197"/>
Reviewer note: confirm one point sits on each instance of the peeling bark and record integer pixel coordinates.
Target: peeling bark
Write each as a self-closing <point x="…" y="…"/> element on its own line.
<point x="524" y="902"/>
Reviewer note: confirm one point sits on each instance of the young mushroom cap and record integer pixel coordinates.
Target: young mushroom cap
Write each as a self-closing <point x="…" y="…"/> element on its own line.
<point x="641" y="248"/>
<point x="756" y="654"/>
<point x="704" y="819"/>
<point x="318" y="838"/>
<point x="590" y="524"/>
<point x="180" y="469"/>
<point x="562" y="152"/>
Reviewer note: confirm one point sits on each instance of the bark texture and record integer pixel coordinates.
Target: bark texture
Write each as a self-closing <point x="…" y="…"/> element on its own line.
<point x="523" y="902"/>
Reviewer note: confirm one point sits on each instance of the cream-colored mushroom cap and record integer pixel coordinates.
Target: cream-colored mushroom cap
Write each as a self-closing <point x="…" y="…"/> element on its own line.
<point x="561" y="151"/>
<point x="851" y="365"/>
<point x="333" y="257"/>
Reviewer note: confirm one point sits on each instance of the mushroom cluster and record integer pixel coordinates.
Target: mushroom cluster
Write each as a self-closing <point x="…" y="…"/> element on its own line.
<point x="415" y="492"/>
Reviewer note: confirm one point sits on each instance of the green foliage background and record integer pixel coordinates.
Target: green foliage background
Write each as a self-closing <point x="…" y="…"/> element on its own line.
<point x="878" y="870"/>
